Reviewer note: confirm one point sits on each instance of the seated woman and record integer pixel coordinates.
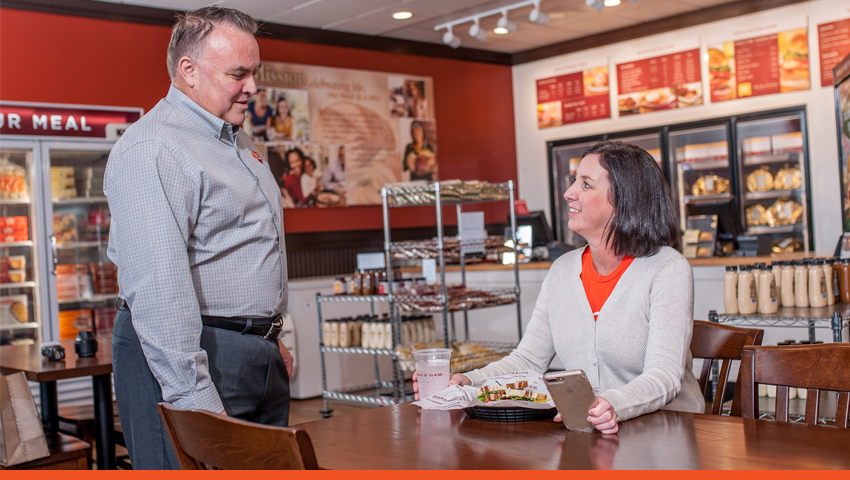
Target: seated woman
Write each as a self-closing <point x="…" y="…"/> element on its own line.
<point x="621" y="309"/>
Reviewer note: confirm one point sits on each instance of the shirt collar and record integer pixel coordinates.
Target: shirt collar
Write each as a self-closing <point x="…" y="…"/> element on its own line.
<point x="222" y="130"/>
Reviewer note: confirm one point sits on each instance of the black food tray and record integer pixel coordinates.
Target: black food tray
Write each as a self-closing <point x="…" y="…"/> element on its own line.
<point x="509" y="414"/>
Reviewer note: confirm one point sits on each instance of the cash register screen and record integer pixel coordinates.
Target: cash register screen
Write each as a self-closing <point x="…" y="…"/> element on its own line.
<point x="524" y="234"/>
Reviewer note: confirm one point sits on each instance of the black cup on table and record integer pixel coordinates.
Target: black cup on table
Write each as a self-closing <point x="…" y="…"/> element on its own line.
<point x="86" y="344"/>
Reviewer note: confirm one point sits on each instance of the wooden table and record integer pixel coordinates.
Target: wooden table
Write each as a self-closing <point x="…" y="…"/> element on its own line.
<point x="402" y="437"/>
<point x="28" y="359"/>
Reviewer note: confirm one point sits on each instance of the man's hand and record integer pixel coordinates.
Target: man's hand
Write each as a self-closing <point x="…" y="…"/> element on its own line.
<point x="287" y="358"/>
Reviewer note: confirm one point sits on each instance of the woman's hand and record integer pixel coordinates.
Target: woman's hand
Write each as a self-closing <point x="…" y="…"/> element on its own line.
<point x="457" y="379"/>
<point x="602" y="417"/>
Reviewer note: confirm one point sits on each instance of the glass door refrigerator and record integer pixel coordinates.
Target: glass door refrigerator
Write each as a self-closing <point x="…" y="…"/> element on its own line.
<point x="83" y="282"/>
<point x="773" y="168"/>
<point x="55" y="277"/>
<point x="21" y="288"/>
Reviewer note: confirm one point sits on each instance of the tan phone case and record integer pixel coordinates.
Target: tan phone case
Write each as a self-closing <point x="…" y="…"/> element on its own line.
<point x="573" y="396"/>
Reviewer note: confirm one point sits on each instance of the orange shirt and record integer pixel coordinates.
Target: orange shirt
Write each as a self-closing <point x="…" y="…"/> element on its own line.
<point x="599" y="287"/>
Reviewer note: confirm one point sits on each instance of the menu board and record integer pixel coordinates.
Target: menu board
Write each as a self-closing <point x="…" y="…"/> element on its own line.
<point x="759" y="65"/>
<point x="575" y="97"/>
<point x="833" y="44"/>
<point x="659" y="83"/>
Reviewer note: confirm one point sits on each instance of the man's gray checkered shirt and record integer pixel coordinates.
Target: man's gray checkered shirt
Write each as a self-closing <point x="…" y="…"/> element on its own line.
<point x="197" y="229"/>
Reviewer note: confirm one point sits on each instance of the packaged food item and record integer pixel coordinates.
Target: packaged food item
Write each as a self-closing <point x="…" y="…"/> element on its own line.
<point x="13" y="181"/>
<point x="787" y="142"/>
<point x="786" y="245"/>
<point x="17" y="276"/>
<point x="340" y="286"/>
<point x="65" y="227"/>
<point x="788" y="178"/>
<point x="784" y="212"/>
<point x="14" y="309"/>
<point x="756" y="146"/>
<point x="710" y="185"/>
<point x="17" y="262"/>
<point x="760" y="180"/>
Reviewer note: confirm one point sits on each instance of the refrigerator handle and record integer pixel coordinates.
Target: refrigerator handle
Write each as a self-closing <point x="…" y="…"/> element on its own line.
<point x="55" y="253"/>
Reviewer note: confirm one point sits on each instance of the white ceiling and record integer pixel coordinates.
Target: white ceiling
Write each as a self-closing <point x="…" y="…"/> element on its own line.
<point x="568" y="19"/>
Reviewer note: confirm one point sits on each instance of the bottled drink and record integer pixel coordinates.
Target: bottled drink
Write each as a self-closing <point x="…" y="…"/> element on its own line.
<point x="747" y="295"/>
<point x="828" y="277"/>
<point x="768" y="302"/>
<point x="801" y="278"/>
<point x="776" y="267"/>
<point x="344" y="333"/>
<point x="787" y="284"/>
<point x="730" y="290"/>
<point x="844" y="280"/>
<point x="817" y="285"/>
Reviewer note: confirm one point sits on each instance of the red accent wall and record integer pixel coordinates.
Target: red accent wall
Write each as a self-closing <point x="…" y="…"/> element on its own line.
<point x="64" y="59"/>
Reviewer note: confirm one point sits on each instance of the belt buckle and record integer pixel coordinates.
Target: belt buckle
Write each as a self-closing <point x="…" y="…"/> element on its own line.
<point x="277" y="323"/>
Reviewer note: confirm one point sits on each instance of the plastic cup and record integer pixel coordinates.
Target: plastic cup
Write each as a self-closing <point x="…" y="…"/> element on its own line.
<point x="432" y="370"/>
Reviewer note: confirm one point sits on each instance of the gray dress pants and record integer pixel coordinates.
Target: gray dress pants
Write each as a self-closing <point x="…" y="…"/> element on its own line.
<point x="247" y="370"/>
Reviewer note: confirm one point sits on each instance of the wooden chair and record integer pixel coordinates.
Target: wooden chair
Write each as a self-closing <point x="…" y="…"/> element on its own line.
<point x="205" y="441"/>
<point x="814" y="367"/>
<point x="713" y="341"/>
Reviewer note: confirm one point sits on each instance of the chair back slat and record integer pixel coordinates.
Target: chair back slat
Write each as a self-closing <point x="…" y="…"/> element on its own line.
<point x="782" y="397"/>
<point x="813" y="367"/>
<point x="715" y="342"/>
<point x="843" y="413"/>
<point x="204" y="440"/>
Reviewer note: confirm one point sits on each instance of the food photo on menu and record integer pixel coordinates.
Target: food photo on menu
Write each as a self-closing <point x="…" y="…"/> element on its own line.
<point x="721" y="72"/>
<point x="794" y="60"/>
<point x="595" y="81"/>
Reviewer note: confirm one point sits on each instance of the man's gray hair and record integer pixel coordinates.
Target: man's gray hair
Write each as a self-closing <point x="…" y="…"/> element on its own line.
<point x="191" y="30"/>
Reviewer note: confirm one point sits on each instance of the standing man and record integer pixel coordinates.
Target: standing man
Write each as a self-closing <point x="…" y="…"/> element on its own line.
<point x="197" y="235"/>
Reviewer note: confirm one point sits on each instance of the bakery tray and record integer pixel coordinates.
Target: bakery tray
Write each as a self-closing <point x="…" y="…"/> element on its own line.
<point x="509" y="414"/>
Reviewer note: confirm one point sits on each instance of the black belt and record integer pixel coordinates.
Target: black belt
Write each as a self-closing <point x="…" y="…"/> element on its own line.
<point x="268" y="327"/>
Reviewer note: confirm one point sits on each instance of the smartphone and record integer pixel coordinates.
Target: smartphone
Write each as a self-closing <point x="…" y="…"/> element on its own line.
<point x="573" y="396"/>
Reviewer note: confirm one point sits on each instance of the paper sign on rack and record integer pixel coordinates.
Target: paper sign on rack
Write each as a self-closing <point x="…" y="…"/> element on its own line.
<point x="472" y="230"/>
<point x="455" y="396"/>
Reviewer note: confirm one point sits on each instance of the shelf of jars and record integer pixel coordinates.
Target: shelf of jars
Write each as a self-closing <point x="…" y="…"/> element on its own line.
<point x="452" y="192"/>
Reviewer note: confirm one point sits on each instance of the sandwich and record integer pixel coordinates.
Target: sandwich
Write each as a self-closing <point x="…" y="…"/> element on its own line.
<point x="720" y="73"/>
<point x="794" y="66"/>
<point x="510" y="391"/>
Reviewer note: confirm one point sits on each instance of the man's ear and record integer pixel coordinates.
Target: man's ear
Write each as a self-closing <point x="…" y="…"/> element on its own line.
<point x="186" y="70"/>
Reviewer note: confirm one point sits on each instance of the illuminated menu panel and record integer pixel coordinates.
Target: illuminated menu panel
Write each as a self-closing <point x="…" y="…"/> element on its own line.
<point x="572" y="98"/>
<point x="760" y="65"/>
<point x="659" y="83"/>
<point x="833" y="45"/>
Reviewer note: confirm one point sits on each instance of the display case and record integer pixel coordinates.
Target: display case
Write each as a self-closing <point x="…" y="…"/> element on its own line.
<point x="55" y="277"/>
<point x="85" y="281"/>
<point x="751" y="171"/>
<point x="20" y="275"/>
<point x="702" y="172"/>
<point x="773" y="171"/>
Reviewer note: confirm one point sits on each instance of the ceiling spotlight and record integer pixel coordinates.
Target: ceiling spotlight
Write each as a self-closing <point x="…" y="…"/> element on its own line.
<point x="402" y="15"/>
<point x="505" y="24"/>
<point x="450" y="39"/>
<point x="537" y="16"/>
<point x="595" y="4"/>
<point x="475" y="31"/>
<point x="611" y="3"/>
